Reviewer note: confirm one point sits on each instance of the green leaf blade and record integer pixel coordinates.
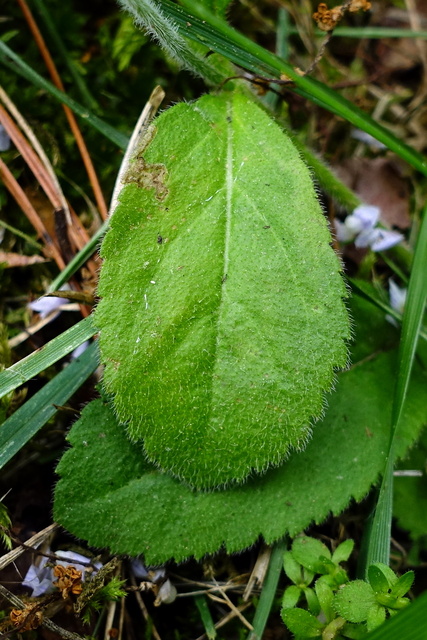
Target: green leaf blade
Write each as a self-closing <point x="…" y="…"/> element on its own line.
<point x="110" y="496"/>
<point x="234" y="319"/>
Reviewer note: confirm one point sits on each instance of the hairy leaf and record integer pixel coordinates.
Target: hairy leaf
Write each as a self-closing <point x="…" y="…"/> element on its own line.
<point x="109" y="495"/>
<point x="231" y="316"/>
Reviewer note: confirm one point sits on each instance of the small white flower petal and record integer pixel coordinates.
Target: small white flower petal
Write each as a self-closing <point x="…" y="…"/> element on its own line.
<point x="342" y="232"/>
<point x="367" y="214"/>
<point x="366" y="238"/>
<point x="386" y="240"/>
<point x="397" y="296"/>
<point x="167" y="594"/>
<point x="39" y="579"/>
<point x="353" y="224"/>
<point x="44" y="306"/>
<point x="362" y="136"/>
<point x="5" y="141"/>
<point x="47" y="304"/>
<point x="79" y="350"/>
<point x="139" y="569"/>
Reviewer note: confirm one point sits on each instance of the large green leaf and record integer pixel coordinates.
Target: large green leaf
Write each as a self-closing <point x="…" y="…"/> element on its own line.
<point x="109" y="495"/>
<point x="231" y="314"/>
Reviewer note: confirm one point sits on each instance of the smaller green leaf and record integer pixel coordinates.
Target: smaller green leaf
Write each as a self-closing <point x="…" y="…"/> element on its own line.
<point x="332" y="630"/>
<point x="325" y="596"/>
<point x="308" y="551"/>
<point x="302" y="623"/>
<point x="409" y="624"/>
<point x="292" y="568"/>
<point x="312" y="601"/>
<point x="376" y="616"/>
<point x="354" y="601"/>
<point x="291" y="596"/>
<point x="403" y="584"/>
<point x="343" y="551"/>
<point x="381" y="577"/>
<point x="354" y="631"/>
<point x="378" y="580"/>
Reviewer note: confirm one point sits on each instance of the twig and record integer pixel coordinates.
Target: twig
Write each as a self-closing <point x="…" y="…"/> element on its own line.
<point x="259" y="571"/>
<point x="87" y="161"/>
<point x="21" y="198"/>
<point x="25" y="127"/>
<point x="226" y="600"/>
<point x="144" y="609"/>
<point x="32" y="542"/>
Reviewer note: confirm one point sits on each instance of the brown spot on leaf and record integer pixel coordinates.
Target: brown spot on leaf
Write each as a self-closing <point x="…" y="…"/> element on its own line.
<point x="145" y="174"/>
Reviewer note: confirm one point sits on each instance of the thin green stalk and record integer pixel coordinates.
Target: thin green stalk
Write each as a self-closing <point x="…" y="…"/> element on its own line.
<point x="372" y="32"/>
<point x="11" y="60"/>
<point x="378" y="547"/>
<point x="268" y="591"/>
<point x="202" y="26"/>
<point x="79" y="259"/>
<point x="21" y="234"/>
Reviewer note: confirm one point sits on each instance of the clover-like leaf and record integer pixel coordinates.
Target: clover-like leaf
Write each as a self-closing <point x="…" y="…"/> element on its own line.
<point x="376" y="616"/>
<point x="403" y="584"/>
<point x="302" y="623"/>
<point x="291" y="596"/>
<point x="325" y="596"/>
<point x="354" y="601"/>
<point x="343" y="551"/>
<point x="231" y="317"/>
<point x="381" y="577"/>
<point x="309" y="552"/>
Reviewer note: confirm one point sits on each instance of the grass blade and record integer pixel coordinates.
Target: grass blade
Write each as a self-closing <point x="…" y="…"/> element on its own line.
<point x="268" y="591"/>
<point x="42" y="358"/>
<point x="79" y="259"/>
<point x="33" y="415"/>
<point x="206" y="617"/>
<point x="202" y="26"/>
<point x="11" y="60"/>
<point x="378" y="546"/>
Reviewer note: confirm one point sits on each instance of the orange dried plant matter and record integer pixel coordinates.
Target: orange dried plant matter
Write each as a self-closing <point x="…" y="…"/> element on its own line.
<point x="28" y="618"/>
<point x="69" y="580"/>
<point x="327" y="19"/>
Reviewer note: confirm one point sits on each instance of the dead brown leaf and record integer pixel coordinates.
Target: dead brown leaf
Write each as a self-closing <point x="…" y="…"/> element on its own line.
<point x="18" y="260"/>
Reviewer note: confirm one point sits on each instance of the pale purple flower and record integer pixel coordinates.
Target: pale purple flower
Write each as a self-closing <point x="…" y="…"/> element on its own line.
<point x="46" y="304"/>
<point x="361" y="227"/>
<point x="40" y="577"/>
<point x="362" y="136"/>
<point x="79" y="350"/>
<point x="397" y="300"/>
<point x="397" y="296"/>
<point x="4" y="139"/>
